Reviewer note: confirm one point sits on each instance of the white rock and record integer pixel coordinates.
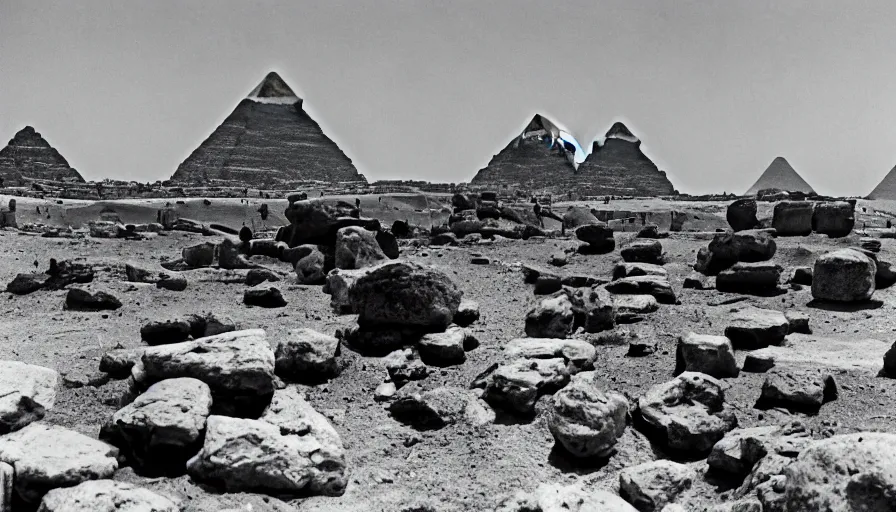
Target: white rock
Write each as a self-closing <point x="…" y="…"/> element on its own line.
<point x="26" y="393"/>
<point x="106" y="496"/>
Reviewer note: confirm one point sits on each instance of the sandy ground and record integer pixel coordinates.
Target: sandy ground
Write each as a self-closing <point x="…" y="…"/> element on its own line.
<point x="394" y="467"/>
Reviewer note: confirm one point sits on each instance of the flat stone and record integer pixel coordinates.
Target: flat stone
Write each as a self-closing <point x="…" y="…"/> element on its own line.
<point x="630" y="308"/>
<point x="653" y="485"/>
<point x="518" y="385"/>
<point x="106" y="496"/>
<point x="798" y="388"/>
<point x="578" y="354"/>
<point x="306" y="355"/>
<point x="742" y="448"/>
<point x="704" y="353"/>
<point x="630" y="269"/>
<point x="27" y="392"/>
<point x="559" y="498"/>
<point x="46" y="457"/>
<point x="437" y="408"/>
<point x="657" y="286"/>
<point x="753" y="327"/>
<point x="444" y="348"/>
<point x="859" y="355"/>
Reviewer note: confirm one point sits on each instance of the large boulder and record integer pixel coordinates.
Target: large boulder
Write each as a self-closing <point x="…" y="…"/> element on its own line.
<point x="726" y="249"/>
<point x="578" y="354"/>
<point x="653" y="485"/>
<point x="306" y="355"/>
<point x="742" y="448"/>
<point x="238" y="366"/>
<point x="850" y="472"/>
<point x="402" y="293"/>
<point x="553" y="317"/>
<point x="576" y="216"/>
<point x="436" y="408"/>
<point x="844" y="275"/>
<point x="47" y="457"/>
<point x="199" y="255"/>
<point x="310" y="267"/>
<point x="643" y="251"/>
<point x="106" y="496"/>
<point x="82" y="300"/>
<point x="313" y="222"/>
<point x="357" y="248"/>
<point x="755" y="278"/>
<point x="688" y="413"/>
<point x="741" y="215"/>
<point x="752" y="328"/>
<point x="585" y="420"/>
<point x="598" y="236"/>
<point x="163" y="427"/>
<point x="27" y="392"/>
<point x="291" y="450"/>
<point x="798" y="388"/>
<point x="793" y="218"/>
<point x="23" y="284"/>
<point x="835" y="219"/>
<point x="518" y="385"/>
<point x="705" y="353"/>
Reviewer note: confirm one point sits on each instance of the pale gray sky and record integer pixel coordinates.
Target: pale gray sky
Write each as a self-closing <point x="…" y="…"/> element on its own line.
<point x="432" y="89"/>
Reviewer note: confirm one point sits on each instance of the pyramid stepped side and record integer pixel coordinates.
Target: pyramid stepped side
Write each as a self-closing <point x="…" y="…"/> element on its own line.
<point x="269" y="145"/>
<point x="528" y="161"/>
<point x="780" y="175"/>
<point x="28" y="156"/>
<point x="886" y="189"/>
<point x="619" y="167"/>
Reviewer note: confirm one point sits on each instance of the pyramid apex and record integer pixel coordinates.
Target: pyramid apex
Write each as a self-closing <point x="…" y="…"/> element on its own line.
<point x="620" y="131"/>
<point x="273" y="89"/>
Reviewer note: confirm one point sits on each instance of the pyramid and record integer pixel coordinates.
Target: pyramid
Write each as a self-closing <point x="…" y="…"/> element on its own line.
<point x="618" y="167"/>
<point x="533" y="159"/>
<point x="780" y="175"/>
<point x="886" y="189"/>
<point x="28" y="156"/>
<point x="267" y="142"/>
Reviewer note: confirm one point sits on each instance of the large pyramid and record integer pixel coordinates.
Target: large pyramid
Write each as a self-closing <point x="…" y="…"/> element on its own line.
<point x="28" y="156"/>
<point x="267" y="142"/>
<point x="886" y="189"/>
<point x="780" y="175"/>
<point x="618" y="167"/>
<point x="535" y="159"/>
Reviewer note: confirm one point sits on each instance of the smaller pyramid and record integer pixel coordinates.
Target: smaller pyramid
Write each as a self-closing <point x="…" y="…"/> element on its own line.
<point x="886" y="189"/>
<point x="28" y="156"/>
<point x="782" y="176"/>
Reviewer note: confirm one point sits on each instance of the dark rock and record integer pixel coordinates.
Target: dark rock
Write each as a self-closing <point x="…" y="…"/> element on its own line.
<point x="793" y="218"/>
<point x="264" y="297"/>
<point x="173" y="283"/>
<point x="835" y="219"/>
<point x="741" y="215"/>
<point x="799" y="389"/>
<point x="260" y="275"/>
<point x="658" y="286"/>
<point x="23" y="284"/>
<point x="844" y="275"/>
<point x="199" y="255"/>
<point x="751" y="328"/>
<point x="467" y="313"/>
<point x="160" y="332"/>
<point x="388" y="243"/>
<point x="802" y="275"/>
<point x="760" y="277"/>
<point x="81" y="300"/>
<point x="643" y="251"/>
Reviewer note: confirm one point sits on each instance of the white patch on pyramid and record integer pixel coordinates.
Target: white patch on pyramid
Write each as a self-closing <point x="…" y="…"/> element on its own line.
<point x="780" y="175"/>
<point x="627" y="138"/>
<point x="280" y="100"/>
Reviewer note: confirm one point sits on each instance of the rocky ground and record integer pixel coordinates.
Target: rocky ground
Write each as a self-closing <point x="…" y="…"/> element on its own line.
<point x="466" y="465"/>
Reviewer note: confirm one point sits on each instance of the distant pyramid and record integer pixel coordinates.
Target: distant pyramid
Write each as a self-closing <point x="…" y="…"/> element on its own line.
<point x="534" y="159"/>
<point x="782" y="176"/>
<point x="29" y="156"/>
<point x="886" y="189"/>
<point x="267" y="142"/>
<point x="619" y="167"/>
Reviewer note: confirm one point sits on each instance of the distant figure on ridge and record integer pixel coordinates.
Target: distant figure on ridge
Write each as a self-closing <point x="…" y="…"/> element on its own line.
<point x="358" y="203"/>
<point x="537" y="209"/>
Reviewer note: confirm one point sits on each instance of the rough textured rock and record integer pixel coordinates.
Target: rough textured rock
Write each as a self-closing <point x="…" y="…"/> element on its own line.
<point x="576" y="216"/>
<point x="257" y="276"/>
<point x="293" y="450"/>
<point x="798" y="388"/>
<point x="802" y="275"/>
<point x="238" y="366"/>
<point x="835" y="219"/>
<point x="852" y="472"/>
<point x="27" y="392"/>
<point x="23" y="284"/>
<point x="688" y="413"/>
<point x="446" y="348"/>
<point x="106" y="496"/>
<point x="46" y="457"/>
<point x="726" y="249"/>
<point x="578" y="354"/>
<point x="653" y="485"/>
<point x="404" y="365"/>
<point x="632" y="308"/>
<point x="551" y="318"/>
<point x="622" y="270"/>
<point x="558" y="498"/>
<point x="264" y="297"/>
<point x="357" y="248"/>
<point x="704" y="353"/>
<point x="173" y="283"/>
<point x="405" y="294"/>
<point x="742" y="448"/>
<point x="436" y="408"/>
<point x="28" y="155"/>
<point x="753" y="327"/>
<point x="598" y="236"/>
<point x="307" y="356"/>
<point x="267" y="142"/>
<point x="643" y="251"/>
<point x="316" y="222"/>
<point x="517" y="386"/>
<point x="585" y="420"/>
<point x="844" y="275"/>
<point x="467" y="313"/>
<point x="658" y="286"/>
<point x="118" y="362"/>
<point x="310" y="267"/>
<point x="797" y="322"/>
<point x="793" y="218"/>
<point x="754" y="278"/>
<point x="160" y="332"/>
<point x="199" y="255"/>
<point x="162" y="428"/>
<point x="81" y="300"/>
<point x="741" y="215"/>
